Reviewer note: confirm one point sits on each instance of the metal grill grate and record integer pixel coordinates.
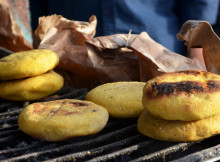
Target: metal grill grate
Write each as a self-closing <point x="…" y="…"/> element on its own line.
<point x="118" y="141"/>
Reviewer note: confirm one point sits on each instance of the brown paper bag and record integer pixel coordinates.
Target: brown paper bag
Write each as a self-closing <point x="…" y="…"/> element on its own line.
<point x="11" y="35"/>
<point x="87" y="62"/>
<point x="112" y="58"/>
<point x="155" y="59"/>
<point x="114" y="64"/>
<point x="201" y="34"/>
<point x="67" y="38"/>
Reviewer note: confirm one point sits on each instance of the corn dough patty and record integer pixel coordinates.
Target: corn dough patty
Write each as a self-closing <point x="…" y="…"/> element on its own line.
<point x="27" y="63"/>
<point x="33" y="88"/>
<point x="121" y="99"/>
<point x="184" y="95"/>
<point x="62" y="119"/>
<point x="167" y="130"/>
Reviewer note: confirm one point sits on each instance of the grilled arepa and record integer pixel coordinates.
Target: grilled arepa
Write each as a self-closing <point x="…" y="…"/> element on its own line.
<point x="62" y="119"/>
<point x="183" y="95"/>
<point x="33" y="88"/>
<point x="182" y="131"/>
<point x="121" y="99"/>
<point x="27" y="63"/>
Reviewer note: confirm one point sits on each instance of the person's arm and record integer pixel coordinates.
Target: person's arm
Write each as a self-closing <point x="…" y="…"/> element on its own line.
<point x="197" y="54"/>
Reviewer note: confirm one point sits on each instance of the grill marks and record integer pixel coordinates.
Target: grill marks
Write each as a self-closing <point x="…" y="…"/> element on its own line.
<point x="191" y="72"/>
<point x="212" y="85"/>
<point x="165" y="89"/>
<point x="78" y="104"/>
<point x="76" y="107"/>
<point x="175" y="88"/>
<point x="39" y="109"/>
<point x="54" y="111"/>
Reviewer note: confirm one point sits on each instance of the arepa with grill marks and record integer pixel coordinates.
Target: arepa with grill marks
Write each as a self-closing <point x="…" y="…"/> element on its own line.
<point x="183" y="95"/>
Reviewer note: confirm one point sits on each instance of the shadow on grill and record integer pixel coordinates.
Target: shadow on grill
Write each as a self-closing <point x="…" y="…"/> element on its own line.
<point x="118" y="141"/>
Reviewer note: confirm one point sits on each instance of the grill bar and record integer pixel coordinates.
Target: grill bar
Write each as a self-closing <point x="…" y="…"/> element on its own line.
<point x="78" y="146"/>
<point x="4" y="106"/>
<point x="9" y="138"/>
<point x="20" y="149"/>
<point x="163" y="152"/>
<point x="10" y="113"/>
<point x="8" y="132"/>
<point x="121" y="152"/>
<point x="9" y="120"/>
<point x="9" y="127"/>
<point x="73" y="94"/>
<point x="212" y="153"/>
<point x="99" y="150"/>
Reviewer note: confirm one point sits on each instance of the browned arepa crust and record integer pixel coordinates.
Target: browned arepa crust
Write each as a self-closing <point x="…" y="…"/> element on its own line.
<point x="166" y="89"/>
<point x="181" y="131"/>
<point x="183" y="95"/>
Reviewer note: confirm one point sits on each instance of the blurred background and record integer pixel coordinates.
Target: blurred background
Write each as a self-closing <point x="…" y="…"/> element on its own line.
<point x="161" y="19"/>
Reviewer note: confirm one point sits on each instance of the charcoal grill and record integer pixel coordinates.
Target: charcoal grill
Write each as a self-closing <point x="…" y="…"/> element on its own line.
<point x="118" y="141"/>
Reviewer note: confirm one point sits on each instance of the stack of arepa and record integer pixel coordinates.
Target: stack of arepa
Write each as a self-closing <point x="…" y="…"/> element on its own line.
<point x="29" y="75"/>
<point x="181" y="106"/>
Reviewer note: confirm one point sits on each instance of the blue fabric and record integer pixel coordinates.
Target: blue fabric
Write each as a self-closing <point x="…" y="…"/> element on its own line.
<point x="161" y="19"/>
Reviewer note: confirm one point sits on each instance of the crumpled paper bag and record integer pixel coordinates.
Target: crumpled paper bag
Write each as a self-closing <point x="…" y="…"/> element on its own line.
<point x="200" y="34"/>
<point x="145" y="59"/>
<point x="86" y="61"/>
<point x="155" y="59"/>
<point x="11" y="35"/>
<point x="67" y="38"/>
<point x="113" y="59"/>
